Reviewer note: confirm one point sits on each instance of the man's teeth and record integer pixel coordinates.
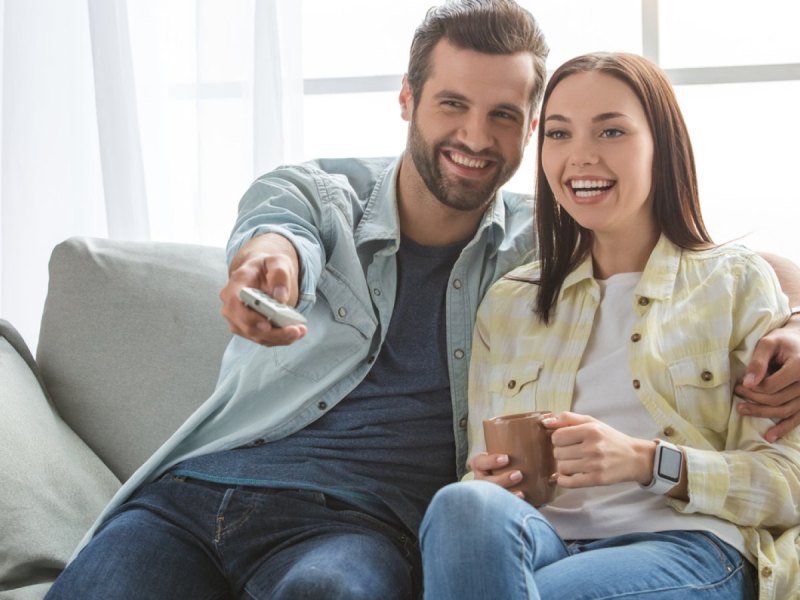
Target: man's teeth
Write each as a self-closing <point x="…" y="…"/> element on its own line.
<point x="588" y="188"/>
<point x="472" y="163"/>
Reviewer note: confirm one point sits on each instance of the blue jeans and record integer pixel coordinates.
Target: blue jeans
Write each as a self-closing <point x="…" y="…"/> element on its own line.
<point x="480" y="541"/>
<point x="180" y="538"/>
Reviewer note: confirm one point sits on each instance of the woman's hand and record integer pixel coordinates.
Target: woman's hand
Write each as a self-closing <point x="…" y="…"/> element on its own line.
<point x="483" y="466"/>
<point x="589" y="453"/>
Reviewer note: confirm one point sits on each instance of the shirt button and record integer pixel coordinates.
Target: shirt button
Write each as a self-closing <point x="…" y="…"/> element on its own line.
<point x="644" y="301"/>
<point x="376" y="291"/>
<point x="706" y="375"/>
<point x="636" y="337"/>
<point x="636" y="384"/>
<point x="669" y="431"/>
<point x="322" y="405"/>
<point x="766" y="572"/>
<point x="459" y="354"/>
<point x="342" y="312"/>
<point x="457" y="284"/>
<point x="512" y="384"/>
<point x="462" y="422"/>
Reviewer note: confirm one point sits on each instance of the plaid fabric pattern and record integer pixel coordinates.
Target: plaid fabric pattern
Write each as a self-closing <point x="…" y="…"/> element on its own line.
<point x="700" y="315"/>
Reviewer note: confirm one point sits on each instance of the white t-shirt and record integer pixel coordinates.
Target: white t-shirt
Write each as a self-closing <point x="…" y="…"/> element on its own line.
<point x="603" y="390"/>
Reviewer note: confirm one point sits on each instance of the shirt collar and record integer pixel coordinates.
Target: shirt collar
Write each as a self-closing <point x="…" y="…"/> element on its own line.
<point x="658" y="277"/>
<point x="381" y="221"/>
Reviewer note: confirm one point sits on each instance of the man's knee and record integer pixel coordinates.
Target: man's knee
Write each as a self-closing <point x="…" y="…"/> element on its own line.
<point x="318" y="584"/>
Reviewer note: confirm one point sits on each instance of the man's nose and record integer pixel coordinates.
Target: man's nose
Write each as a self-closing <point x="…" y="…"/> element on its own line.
<point x="475" y="133"/>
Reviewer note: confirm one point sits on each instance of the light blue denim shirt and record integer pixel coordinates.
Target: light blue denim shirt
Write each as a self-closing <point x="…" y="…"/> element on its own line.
<point x="341" y="215"/>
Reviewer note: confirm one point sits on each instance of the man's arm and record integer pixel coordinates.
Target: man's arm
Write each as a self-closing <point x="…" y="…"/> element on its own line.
<point x="772" y="380"/>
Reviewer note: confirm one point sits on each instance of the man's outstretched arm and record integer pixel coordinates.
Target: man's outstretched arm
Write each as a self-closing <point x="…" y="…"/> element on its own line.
<point x="772" y="380"/>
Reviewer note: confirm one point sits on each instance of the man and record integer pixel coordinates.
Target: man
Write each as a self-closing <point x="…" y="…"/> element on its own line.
<point x="306" y="474"/>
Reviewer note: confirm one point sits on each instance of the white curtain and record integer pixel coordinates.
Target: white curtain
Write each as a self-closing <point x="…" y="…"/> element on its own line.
<point x="136" y="119"/>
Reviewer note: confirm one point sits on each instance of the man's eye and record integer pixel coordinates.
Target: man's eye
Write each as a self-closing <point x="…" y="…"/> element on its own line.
<point x="452" y="103"/>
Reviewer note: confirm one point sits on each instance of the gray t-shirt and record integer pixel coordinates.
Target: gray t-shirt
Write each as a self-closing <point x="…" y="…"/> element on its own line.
<point x="388" y="446"/>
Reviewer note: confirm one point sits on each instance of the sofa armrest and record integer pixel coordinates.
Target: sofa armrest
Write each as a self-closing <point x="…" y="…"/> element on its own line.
<point x="53" y="485"/>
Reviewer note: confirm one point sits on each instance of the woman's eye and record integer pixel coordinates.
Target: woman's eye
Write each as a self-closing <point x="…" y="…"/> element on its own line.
<point x="555" y="134"/>
<point x="611" y="133"/>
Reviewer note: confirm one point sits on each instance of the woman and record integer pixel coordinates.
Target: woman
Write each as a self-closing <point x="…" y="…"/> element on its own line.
<point x="634" y="317"/>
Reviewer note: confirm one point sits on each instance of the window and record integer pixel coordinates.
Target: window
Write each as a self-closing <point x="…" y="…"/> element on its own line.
<point x="735" y="65"/>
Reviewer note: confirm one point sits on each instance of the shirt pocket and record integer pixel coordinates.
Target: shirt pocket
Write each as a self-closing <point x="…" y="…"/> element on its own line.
<point x="512" y="387"/>
<point x="703" y="389"/>
<point x="340" y="330"/>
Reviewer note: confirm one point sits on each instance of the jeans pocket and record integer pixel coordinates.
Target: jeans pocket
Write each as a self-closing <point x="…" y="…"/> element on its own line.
<point x="734" y="562"/>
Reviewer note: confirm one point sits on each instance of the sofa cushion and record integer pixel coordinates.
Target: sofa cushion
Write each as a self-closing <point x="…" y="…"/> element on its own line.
<point x="131" y="341"/>
<point x="53" y="485"/>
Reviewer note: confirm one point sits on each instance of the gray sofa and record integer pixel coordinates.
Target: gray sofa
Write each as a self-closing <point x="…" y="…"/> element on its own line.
<point x="130" y="344"/>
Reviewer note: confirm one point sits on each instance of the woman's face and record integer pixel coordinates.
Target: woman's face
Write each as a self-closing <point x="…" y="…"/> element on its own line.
<point x="598" y="154"/>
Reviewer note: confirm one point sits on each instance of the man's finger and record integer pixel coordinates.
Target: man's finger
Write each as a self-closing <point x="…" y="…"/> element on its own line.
<point x="781" y="411"/>
<point x="769" y="398"/>
<point x="759" y="363"/>
<point x="782" y="428"/>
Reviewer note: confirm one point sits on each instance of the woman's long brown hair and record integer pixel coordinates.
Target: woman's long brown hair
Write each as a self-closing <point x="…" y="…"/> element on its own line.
<point x="563" y="244"/>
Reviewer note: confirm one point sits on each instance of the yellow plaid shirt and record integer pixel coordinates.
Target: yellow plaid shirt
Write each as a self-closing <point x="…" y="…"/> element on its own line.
<point x="699" y="317"/>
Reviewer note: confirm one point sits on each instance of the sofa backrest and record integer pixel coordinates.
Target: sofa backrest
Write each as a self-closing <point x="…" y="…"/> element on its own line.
<point x="131" y="341"/>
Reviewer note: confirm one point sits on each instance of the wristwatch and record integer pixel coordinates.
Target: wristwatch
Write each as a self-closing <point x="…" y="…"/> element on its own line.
<point x="795" y="310"/>
<point x="666" y="468"/>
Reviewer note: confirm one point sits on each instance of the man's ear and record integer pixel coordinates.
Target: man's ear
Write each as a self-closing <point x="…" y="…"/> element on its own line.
<point x="406" y="100"/>
<point x="531" y="129"/>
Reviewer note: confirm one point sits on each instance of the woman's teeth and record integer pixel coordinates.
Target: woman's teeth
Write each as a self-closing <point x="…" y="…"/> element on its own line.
<point x="588" y="188"/>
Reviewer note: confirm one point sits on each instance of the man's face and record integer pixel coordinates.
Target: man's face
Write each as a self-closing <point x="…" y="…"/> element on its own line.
<point x="471" y="124"/>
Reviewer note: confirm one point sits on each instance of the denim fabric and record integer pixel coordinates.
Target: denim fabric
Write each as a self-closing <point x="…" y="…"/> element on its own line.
<point x="388" y="446"/>
<point x="479" y="541"/>
<point x="342" y="217"/>
<point x="196" y="540"/>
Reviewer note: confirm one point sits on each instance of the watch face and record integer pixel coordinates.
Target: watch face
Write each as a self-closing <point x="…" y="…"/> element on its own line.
<point x="669" y="464"/>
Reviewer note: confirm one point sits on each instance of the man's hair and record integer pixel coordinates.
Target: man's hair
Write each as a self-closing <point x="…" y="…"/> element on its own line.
<point x="487" y="26"/>
<point x="563" y="243"/>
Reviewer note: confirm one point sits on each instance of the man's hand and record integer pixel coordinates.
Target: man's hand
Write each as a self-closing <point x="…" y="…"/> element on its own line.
<point x="268" y="262"/>
<point x="772" y="381"/>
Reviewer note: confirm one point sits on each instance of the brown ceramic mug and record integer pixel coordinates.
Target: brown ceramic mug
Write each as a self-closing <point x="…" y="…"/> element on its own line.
<point x="530" y="450"/>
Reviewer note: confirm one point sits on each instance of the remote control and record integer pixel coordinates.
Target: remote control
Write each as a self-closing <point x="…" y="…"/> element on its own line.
<point x="279" y="314"/>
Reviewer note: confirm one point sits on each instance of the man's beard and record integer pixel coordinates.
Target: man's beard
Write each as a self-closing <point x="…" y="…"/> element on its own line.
<point x="456" y="192"/>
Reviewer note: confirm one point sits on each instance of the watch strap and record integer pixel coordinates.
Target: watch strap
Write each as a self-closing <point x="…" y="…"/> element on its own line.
<point x="659" y="485"/>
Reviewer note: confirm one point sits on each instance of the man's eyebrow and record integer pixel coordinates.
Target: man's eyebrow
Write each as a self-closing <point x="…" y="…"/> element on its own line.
<point x="451" y="95"/>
